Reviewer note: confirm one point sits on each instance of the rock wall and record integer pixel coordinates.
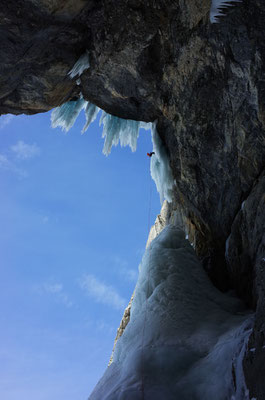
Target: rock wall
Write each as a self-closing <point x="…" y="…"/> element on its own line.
<point x="203" y="83"/>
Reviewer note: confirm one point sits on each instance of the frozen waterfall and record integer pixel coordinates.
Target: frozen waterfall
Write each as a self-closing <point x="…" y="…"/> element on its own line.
<point x="185" y="340"/>
<point x="160" y="168"/>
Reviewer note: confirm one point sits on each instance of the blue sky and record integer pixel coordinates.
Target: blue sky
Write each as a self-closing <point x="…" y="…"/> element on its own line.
<point x="73" y="229"/>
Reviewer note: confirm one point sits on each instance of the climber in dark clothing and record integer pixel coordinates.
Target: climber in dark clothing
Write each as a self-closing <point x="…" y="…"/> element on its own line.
<point x="150" y="154"/>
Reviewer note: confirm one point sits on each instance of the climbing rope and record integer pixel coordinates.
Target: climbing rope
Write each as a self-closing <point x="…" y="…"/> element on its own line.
<point x="149" y="206"/>
<point x="150" y="196"/>
<point x="148" y="273"/>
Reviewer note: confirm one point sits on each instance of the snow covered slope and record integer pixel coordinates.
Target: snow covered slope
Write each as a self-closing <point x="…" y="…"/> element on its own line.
<point x="185" y="340"/>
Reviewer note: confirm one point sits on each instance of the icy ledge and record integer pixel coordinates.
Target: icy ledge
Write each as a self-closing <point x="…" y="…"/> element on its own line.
<point x="185" y="340"/>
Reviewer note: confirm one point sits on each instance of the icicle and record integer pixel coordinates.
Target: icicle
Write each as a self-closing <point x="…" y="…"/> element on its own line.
<point x="129" y="133"/>
<point x="80" y="66"/>
<point x="146" y="125"/>
<point x="91" y="112"/>
<point x="160" y="168"/>
<point x="65" y="115"/>
<point x="217" y="9"/>
<point x="117" y="129"/>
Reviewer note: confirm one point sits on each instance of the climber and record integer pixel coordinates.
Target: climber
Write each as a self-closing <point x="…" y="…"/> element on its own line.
<point x="150" y="154"/>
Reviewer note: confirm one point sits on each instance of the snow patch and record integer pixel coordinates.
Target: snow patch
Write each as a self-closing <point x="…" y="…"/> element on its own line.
<point x="160" y="168"/>
<point x="184" y="336"/>
<point x="80" y="66"/>
<point x="218" y="7"/>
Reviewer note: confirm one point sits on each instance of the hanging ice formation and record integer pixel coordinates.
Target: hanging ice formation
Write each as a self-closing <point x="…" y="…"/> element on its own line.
<point x="160" y="168"/>
<point x="117" y="130"/>
<point x="218" y="7"/>
<point x="80" y="66"/>
<point x="91" y="112"/>
<point x="185" y="339"/>
<point x="65" y="115"/>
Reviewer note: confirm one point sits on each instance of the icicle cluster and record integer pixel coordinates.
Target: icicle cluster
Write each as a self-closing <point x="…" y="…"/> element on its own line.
<point x="91" y="112"/>
<point x="217" y="9"/>
<point x="80" y="66"/>
<point x="160" y="168"/>
<point x="65" y="115"/>
<point x="115" y="129"/>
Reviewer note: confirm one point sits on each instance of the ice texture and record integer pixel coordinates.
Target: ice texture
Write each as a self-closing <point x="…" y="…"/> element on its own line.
<point x="80" y="66"/>
<point x="65" y="115"/>
<point x="117" y="130"/>
<point x="91" y="112"/>
<point x="184" y="337"/>
<point x="218" y="7"/>
<point x="160" y="168"/>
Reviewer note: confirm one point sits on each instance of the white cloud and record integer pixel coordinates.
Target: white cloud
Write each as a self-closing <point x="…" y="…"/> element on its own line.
<point x="45" y="219"/>
<point x="123" y="269"/>
<point x="56" y="290"/>
<point x="132" y="275"/>
<point x="5" y="120"/>
<point x="9" y="160"/>
<point x="4" y="162"/>
<point x="8" y="165"/>
<point x="100" y="326"/>
<point x="104" y="326"/>
<point x="53" y="288"/>
<point x="101" y="292"/>
<point x="25" y="151"/>
<point x="64" y="299"/>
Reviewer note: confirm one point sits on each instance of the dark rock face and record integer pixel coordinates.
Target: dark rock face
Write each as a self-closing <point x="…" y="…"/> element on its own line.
<point x="204" y="84"/>
<point x="36" y="50"/>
